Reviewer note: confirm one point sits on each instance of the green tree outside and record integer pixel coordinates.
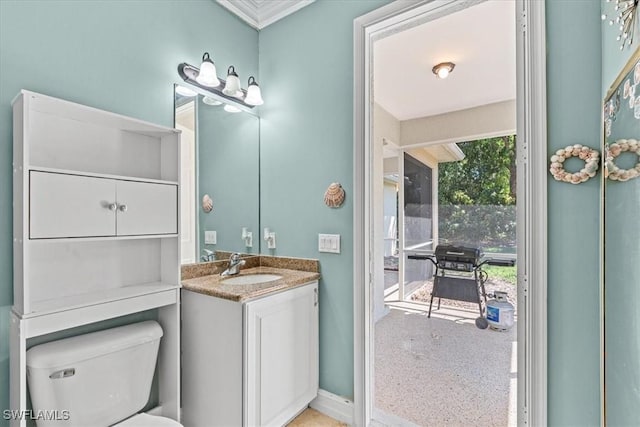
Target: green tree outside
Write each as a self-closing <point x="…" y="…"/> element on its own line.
<point x="477" y="196"/>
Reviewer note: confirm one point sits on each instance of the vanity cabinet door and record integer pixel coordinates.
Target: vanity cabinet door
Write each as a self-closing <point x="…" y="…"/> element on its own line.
<point x="146" y="208"/>
<point x="70" y="206"/>
<point x="281" y="355"/>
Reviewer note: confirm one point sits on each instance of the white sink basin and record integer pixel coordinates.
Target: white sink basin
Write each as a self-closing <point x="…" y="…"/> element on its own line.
<point x="251" y="279"/>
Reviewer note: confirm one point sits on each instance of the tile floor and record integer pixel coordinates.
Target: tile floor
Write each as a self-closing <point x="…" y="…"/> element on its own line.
<point x="312" y="418"/>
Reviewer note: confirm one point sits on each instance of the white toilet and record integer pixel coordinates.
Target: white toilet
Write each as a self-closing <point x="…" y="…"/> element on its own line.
<point x="102" y="378"/>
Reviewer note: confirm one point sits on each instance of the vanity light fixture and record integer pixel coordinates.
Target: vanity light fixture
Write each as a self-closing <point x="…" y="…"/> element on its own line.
<point x="232" y="86"/>
<point x="228" y="91"/>
<point x="207" y="76"/>
<point x="443" y="69"/>
<point x="254" y="96"/>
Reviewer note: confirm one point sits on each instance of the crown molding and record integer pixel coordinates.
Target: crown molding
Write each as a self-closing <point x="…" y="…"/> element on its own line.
<point x="260" y="13"/>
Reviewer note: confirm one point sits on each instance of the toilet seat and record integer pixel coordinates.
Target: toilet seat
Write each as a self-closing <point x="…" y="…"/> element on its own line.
<point x="147" y="420"/>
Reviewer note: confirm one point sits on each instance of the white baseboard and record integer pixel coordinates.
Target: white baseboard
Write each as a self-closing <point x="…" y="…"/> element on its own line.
<point x="383" y="419"/>
<point x="337" y="407"/>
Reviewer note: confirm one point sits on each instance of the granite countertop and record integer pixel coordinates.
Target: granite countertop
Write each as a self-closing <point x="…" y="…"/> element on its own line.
<point x="212" y="284"/>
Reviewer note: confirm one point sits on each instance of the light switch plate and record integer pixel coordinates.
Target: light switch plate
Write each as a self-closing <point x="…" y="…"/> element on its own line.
<point x="210" y="237"/>
<point x="329" y="243"/>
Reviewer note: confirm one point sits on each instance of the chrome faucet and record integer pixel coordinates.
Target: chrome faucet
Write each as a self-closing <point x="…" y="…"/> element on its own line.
<point x="234" y="265"/>
<point x="208" y="256"/>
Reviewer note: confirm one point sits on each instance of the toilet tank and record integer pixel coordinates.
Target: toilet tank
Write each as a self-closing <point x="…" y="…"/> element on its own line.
<point x="95" y="379"/>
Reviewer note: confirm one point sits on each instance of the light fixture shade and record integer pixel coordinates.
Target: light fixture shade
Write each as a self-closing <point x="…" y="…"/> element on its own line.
<point x="231" y="108"/>
<point x="207" y="75"/>
<point x="185" y="91"/>
<point x="232" y="87"/>
<point x="254" y="95"/>
<point x="210" y="101"/>
<point x="443" y="69"/>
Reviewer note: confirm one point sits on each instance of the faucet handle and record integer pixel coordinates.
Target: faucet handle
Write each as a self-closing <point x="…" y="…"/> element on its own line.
<point x="208" y="255"/>
<point x="234" y="257"/>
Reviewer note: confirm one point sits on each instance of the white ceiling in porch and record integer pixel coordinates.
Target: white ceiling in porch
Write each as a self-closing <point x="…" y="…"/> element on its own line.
<point x="480" y="40"/>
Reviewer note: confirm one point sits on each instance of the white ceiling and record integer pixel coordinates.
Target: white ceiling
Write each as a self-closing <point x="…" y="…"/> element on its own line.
<point x="480" y="40"/>
<point x="260" y="13"/>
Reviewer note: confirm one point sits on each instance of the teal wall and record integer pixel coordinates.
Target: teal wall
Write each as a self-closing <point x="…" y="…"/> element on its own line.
<point x="306" y="66"/>
<point x="229" y="171"/>
<point x="573" y="103"/>
<point x="622" y="244"/>
<point x="118" y="56"/>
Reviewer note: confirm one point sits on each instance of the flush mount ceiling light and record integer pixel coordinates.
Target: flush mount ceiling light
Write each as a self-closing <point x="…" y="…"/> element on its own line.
<point x="207" y="75"/>
<point x="228" y="91"/>
<point x="443" y="69"/>
<point x="254" y="96"/>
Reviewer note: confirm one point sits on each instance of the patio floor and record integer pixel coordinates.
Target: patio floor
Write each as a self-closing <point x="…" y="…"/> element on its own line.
<point x="443" y="370"/>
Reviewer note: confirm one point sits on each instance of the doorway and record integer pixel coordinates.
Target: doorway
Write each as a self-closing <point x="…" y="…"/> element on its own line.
<point x="431" y="364"/>
<point x="531" y="131"/>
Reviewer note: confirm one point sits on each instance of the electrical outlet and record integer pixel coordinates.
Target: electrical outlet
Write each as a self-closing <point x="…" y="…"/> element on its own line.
<point x="329" y="243"/>
<point x="210" y="237"/>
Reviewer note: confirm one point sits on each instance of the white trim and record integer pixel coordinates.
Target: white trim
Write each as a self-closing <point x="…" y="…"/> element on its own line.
<point x="456" y="140"/>
<point x="532" y="209"/>
<point x="260" y="14"/>
<point x="401" y="227"/>
<point x="384" y="419"/>
<point x="242" y="10"/>
<point x="455" y="151"/>
<point x="335" y="406"/>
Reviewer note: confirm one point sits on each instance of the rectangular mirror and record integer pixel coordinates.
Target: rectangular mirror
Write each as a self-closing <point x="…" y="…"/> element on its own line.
<point x="622" y="247"/>
<point x="220" y="169"/>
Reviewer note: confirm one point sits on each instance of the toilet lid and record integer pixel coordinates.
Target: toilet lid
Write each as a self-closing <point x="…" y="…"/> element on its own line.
<point x="146" y="420"/>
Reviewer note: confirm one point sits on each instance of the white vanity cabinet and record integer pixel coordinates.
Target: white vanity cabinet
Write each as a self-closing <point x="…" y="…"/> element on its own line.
<point x="95" y="229"/>
<point x="252" y="363"/>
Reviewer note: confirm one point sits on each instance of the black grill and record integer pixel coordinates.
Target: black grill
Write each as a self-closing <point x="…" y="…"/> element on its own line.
<point x="459" y="275"/>
<point x="458" y="258"/>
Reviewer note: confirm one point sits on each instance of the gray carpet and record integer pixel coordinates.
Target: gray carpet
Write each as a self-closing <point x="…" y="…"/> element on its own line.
<point x="437" y="372"/>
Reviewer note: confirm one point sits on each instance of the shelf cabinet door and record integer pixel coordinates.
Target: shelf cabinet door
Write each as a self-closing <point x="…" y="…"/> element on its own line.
<point x="70" y="206"/>
<point x="281" y="356"/>
<point x="150" y="208"/>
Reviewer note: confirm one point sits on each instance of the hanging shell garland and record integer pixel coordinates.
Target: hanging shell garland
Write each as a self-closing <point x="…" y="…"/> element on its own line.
<point x="334" y="196"/>
<point x="591" y="159"/>
<point x="207" y="203"/>
<point x="613" y="151"/>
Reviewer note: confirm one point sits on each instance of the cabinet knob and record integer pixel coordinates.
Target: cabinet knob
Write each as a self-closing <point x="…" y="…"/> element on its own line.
<point x="122" y="208"/>
<point x="113" y="206"/>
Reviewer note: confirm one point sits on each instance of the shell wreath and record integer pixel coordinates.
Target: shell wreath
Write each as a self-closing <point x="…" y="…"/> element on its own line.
<point x="613" y="150"/>
<point x="591" y="159"/>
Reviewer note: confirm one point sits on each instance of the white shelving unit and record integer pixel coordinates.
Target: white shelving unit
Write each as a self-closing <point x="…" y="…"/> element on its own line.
<point x="95" y="229"/>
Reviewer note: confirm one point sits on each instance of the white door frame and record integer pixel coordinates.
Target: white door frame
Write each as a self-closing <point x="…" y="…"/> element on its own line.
<point x="531" y="207"/>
